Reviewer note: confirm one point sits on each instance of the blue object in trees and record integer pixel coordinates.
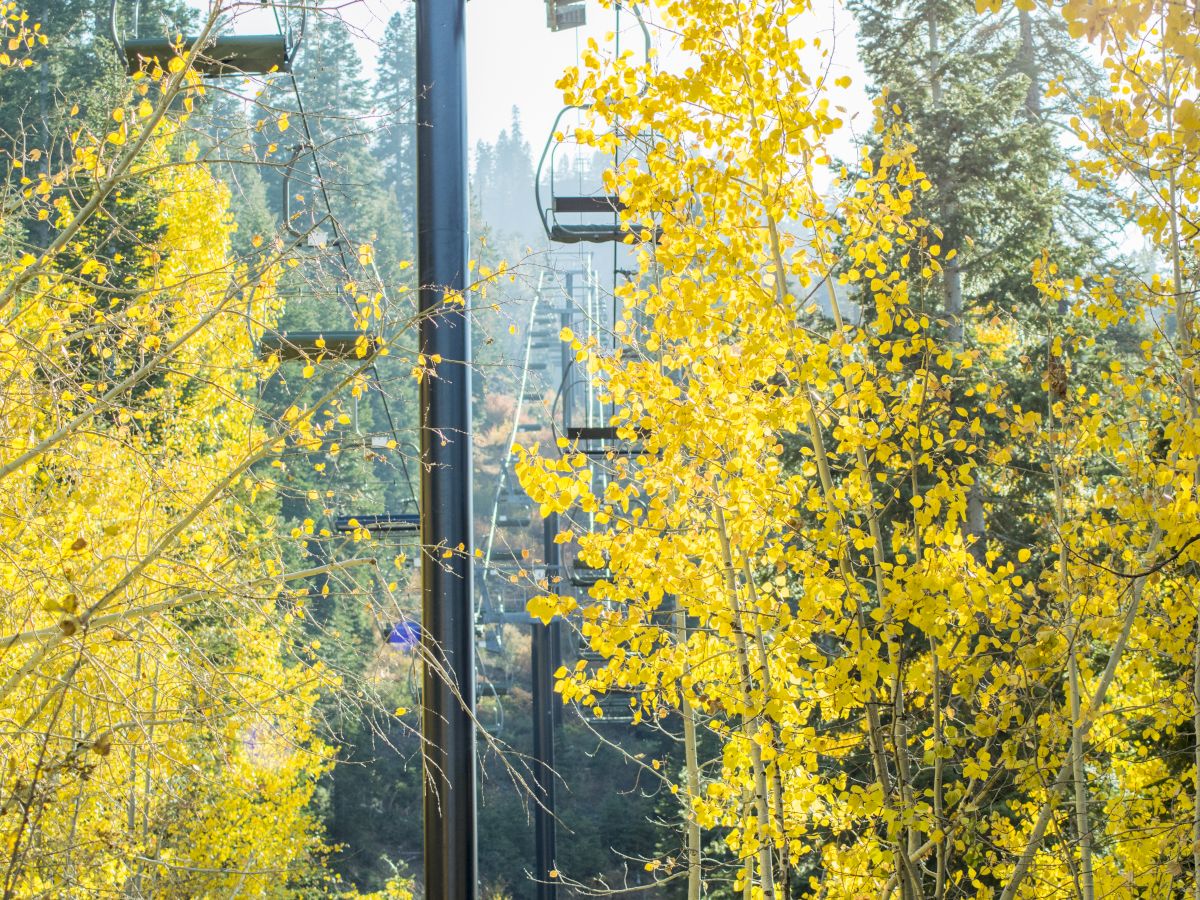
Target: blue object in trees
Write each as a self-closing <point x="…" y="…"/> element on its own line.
<point x="405" y="635"/>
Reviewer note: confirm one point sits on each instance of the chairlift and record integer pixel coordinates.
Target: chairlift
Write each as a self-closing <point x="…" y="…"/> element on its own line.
<point x="564" y="14"/>
<point x="500" y="601"/>
<point x="595" y="218"/>
<point x="603" y="441"/>
<point x="315" y="237"/>
<point x="347" y="345"/>
<point x="581" y="574"/>
<point x="616" y="706"/>
<point x="498" y="684"/>
<point x="599" y="219"/>
<point x="514" y="508"/>
<point x="601" y="433"/>
<point x="519" y="558"/>
<point x="329" y="345"/>
<point x="492" y="640"/>
<point x="221" y="54"/>
<point x="388" y="523"/>
<point x="405" y="519"/>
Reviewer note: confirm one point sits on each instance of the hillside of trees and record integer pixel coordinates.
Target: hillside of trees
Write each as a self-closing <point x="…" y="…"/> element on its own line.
<point x="881" y="580"/>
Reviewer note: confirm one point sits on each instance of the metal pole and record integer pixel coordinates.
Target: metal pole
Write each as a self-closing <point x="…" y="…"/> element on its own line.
<point x="451" y="864"/>
<point x="556" y="655"/>
<point x="542" y="662"/>
<point x="567" y="320"/>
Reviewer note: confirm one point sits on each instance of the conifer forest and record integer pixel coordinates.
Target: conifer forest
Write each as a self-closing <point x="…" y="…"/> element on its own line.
<point x="827" y="461"/>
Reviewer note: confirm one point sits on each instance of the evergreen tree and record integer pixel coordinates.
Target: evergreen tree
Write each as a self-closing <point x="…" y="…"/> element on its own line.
<point x="395" y="99"/>
<point x="81" y="71"/>
<point x="965" y="90"/>
<point x="971" y="89"/>
<point x="325" y="104"/>
<point x="503" y="183"/>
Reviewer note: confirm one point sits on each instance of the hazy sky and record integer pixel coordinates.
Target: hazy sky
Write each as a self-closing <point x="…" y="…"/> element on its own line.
<point x="514" y="59"/>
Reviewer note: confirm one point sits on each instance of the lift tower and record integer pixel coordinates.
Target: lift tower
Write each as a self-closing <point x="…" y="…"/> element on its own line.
<point x="447" y="716"/>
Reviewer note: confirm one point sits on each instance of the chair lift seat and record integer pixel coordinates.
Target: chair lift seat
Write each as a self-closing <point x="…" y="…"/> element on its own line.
<point x="514" y="519"/>
<point x="249" y="54"/>
<point x="593" y="233"/>
<point x="383" y="522"/>
<point x="514" y="509"/>
<point x="587" y="234"/>
<point x="596" y="433"/>
<point x="588" y="204"/>
<point x="491" y="641"/>
<point x="508" y="555"/>
<point x="606" y="435"/>
<point x="583" y="575"/>
<point x="616" y="709"/>
<point x="293" y="345"/>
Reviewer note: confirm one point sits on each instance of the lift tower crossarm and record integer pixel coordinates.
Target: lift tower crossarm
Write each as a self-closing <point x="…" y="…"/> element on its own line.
<point x="447" y="579"/>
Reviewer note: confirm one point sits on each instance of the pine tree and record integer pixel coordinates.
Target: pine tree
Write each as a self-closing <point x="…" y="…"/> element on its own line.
<point x="971" y="89"/>
<point x="503" y="183"/>
<point x="82" y="65"/>
<point x="395" y="100"/>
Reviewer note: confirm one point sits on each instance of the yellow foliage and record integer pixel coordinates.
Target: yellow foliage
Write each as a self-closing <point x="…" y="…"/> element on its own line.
<point x="886" y="690"/>
<point x="162" y="739"/>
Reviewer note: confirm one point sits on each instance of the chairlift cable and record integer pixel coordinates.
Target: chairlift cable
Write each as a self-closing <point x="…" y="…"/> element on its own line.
<point x="341" y="238"/>
<point x="285" y="27"/>
<point x="387" y="411"/>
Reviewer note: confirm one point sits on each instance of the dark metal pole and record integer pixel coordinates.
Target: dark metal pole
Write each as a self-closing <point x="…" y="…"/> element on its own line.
<point x="567" y="320"/>
<point x="542" y="663"/>
<point x="556" y="656"/>
<point x="451" y="865"/>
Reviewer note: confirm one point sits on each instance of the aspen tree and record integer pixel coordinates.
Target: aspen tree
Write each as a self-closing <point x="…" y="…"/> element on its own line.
<point x="926" y="712"/>
<point x="160" y="736"/>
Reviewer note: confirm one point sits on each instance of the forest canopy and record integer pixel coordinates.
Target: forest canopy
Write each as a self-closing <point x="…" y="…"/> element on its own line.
<point x="843" y="436"/>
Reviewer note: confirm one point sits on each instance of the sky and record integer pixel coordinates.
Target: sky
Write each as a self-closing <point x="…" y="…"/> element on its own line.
<point x="514" y="59"/>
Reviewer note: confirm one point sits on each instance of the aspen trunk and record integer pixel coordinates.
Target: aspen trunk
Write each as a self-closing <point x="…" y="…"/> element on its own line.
<point x="691" y="764"/>
<point x="762" y="813"/>
<point x="1196" y="760"/>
